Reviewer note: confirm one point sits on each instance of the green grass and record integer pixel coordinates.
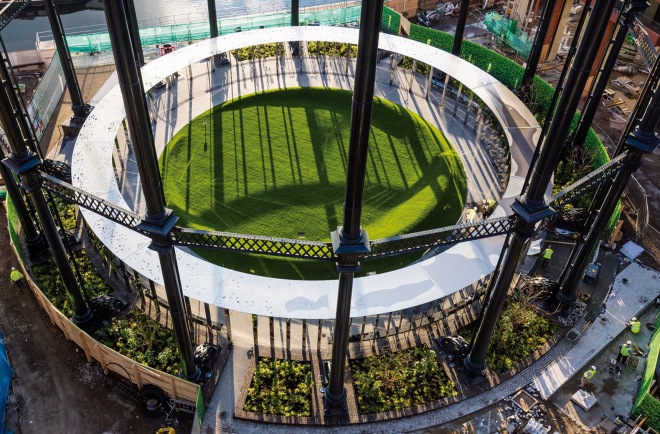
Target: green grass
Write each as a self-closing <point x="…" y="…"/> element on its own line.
<point x="274" y="164"/>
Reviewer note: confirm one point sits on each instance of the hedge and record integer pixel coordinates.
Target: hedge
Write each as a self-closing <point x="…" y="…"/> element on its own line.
<point x="646" y="404"/>
<point x="391" y="20"/>
<point x="13" y="223"/>
<point x="510" y="74"/>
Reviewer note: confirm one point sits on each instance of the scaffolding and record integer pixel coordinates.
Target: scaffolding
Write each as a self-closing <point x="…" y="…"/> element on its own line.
<point x="507" y="30"/>
<point x="96" y="39"/>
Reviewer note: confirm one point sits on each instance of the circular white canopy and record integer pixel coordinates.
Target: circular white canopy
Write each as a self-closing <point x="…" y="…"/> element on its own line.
<point x="452" y="270"/>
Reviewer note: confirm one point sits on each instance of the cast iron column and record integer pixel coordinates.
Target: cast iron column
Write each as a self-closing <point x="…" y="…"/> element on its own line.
<point x="158" y="220"/>
<point x="641" y="141"/>
<point x="134" y="30"/>
<point x="213" y="28"/>
<point x="23" y="162"/>
<point x="588" y="116"/>
<point x="349" y="242"/>
<point x="78" y="106"/>
<point x="537" y="47"/>
<point x="460" y="28"/>
<point x="597" y="93"/>
<point x="531" y="207"/>
<point x="32" y="237"/>
<point x="295" y="13"/>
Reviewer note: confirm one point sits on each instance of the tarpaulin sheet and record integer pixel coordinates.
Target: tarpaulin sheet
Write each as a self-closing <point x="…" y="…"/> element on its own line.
<point x="5" y="378"/>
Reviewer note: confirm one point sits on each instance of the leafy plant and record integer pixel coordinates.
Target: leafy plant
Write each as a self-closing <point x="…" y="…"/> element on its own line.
<point x="261" y="51"/>
<point x="518" y="333"/>
<point x="67" y="212"/>
<point x="48" y="278"/>
<point x="142" y="339"/>
<point x="330" y="49"/>
<point x="280" y="387"/>
<point x="395" y="381"/>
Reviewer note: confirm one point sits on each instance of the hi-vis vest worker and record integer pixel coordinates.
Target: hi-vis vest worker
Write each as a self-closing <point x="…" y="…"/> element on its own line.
<point x="547" y="254"/>
<point x="635" y="325"/>
<point x="590" y="373"/>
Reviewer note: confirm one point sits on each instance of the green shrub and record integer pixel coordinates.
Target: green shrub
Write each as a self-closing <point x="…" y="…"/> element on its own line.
<point x="47" y="277"/>
<point x="143" y="340"/>
<point x="67" y="213"/>
<point x="260" y="51"/>
<point x="280" y="387"/>
<point x="519" y="332"/>
<point x="330" y="49"/>
<point x="395" y="381"/>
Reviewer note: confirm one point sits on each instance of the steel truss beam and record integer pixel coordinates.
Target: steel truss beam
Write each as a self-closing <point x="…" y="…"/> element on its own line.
<point x="91" y="202"/>
<point x="439" y="237"/>
<point x="590" y="182"/>
<point x="253" y="244"/>
<point x="320" y="251"/>
<point x="10" y="10"/>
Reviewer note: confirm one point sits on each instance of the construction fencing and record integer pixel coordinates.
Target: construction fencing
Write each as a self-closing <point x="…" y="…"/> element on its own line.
<point x="645" y="234"/>
<point x="110" y="360"/>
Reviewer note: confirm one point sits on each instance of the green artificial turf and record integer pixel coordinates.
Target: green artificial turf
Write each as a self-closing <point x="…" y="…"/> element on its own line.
<point x="274" y="164"/>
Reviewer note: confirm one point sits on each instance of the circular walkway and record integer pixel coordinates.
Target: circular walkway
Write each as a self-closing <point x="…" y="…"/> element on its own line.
<point x="411" y="286"/>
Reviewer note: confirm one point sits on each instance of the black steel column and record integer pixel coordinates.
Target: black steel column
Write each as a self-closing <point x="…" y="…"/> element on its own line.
<point x="78" y="106"/>
<point x="32" y="237"/>
<point x="213" y="29"/>
<point x="295" y="13"/>
<point x="24" y="162"/>
<point x="641" y="141"/>
<point x="588" y="115"/>
<point x="158" y="220"/>
<point x="350" y="241"/>
<point x="531" y="207"/>
<point x="134" y="30"/>
<point x="460" y="28"/>
<point x="567" y="105"/>
<point x="608" y="65"/>
<point x="537" y="47"/>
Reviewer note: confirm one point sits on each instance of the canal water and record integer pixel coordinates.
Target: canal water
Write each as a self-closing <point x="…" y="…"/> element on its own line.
<point x="85" y="16"/>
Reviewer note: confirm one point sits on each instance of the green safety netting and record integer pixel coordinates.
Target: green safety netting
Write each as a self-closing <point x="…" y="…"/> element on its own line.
<point x="172" y="34"/>
<point x="645" y="403"/>
<point x="508" y="31"/>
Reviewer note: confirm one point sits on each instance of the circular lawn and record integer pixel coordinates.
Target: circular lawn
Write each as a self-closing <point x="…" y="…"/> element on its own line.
<point x="274" y="164"/>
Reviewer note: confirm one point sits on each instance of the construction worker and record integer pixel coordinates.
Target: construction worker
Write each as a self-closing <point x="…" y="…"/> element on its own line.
<point x="16" y="277"/>
<point x="635" y="326"/>
<point x="547" y="256"/>
<point x="624" y="352"/>
<point x="588" y="375"/>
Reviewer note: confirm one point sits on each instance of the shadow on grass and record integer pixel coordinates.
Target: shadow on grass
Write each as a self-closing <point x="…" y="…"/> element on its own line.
<point x="277" y="167"/>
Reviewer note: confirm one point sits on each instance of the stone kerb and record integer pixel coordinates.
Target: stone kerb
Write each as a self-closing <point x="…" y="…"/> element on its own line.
<point x="412" y="286"/>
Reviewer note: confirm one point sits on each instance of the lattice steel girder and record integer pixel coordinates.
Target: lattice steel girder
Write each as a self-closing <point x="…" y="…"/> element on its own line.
<point x="91" y="202"/>
<point x="440" y="237"/>
<point x="252" y="244"/>
<point x="588" y="183"/>
<point x="10" y="10"/>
